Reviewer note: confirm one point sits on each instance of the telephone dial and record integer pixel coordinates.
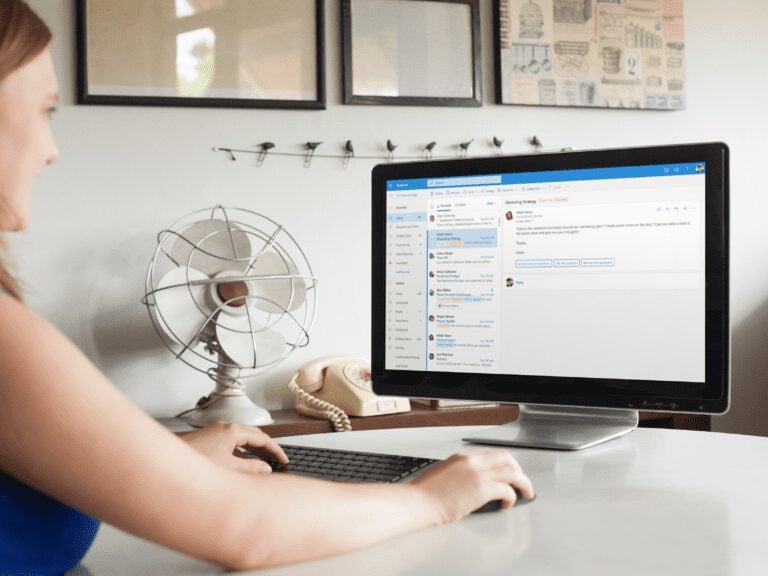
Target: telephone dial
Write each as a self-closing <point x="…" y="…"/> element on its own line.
<point x="336" y="387"/>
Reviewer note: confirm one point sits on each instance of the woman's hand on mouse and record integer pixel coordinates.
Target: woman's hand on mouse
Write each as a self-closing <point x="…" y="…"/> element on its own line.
<point x="465" y="482"/>
<point x="222" y="442"/>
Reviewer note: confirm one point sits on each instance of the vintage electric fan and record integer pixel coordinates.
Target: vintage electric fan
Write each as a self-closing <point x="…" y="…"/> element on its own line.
<point x="231" y="294"/>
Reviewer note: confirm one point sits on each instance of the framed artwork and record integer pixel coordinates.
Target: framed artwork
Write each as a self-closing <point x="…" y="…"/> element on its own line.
<point x="217" y="53"/>
<point x="411" y="52"/>
<point x="590" y="53"/>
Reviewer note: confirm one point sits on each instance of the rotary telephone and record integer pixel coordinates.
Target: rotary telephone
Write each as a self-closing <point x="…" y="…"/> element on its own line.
<point x="334" y="387"/>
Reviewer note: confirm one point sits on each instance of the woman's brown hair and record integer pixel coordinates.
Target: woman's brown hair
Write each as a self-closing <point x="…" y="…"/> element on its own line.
<point x="23" y="35"/>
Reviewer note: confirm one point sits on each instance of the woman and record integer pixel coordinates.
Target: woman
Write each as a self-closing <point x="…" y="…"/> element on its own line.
<point x="73" y="448"/>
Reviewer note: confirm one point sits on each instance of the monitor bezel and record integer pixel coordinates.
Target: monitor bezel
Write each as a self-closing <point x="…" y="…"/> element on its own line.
<point x="710" y="397"/>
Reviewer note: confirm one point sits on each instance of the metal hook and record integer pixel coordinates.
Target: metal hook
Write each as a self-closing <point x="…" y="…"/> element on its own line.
<point x="264" y="148"/>
<point x="229" y="151"/>
<point x="390" y="150"/>
<point x="310" y="148"/>
<point x="428" y="150"/>
<point x="349" y="152"/>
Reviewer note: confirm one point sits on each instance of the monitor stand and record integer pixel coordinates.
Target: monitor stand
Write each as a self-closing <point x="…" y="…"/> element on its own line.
<point x="559" y="427"/>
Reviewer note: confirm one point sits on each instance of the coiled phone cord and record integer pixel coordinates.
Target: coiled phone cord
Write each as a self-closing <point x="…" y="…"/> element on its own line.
<point x="314" y="407"/>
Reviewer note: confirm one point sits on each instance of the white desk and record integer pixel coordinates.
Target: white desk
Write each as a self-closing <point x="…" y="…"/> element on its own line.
<point x="653" y="502"/>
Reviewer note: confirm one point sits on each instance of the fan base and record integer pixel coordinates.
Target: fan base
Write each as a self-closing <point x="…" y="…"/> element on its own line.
<point x="238" y="409"/>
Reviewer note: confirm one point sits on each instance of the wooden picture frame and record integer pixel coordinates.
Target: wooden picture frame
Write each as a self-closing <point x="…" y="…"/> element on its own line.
<point x="411" y="52"/>
<point x="208" y="53"/>
<point x="578" y="53"/>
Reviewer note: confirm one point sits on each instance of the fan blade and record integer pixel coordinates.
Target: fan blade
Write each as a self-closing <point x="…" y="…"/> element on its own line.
<point x="176" y="309"/>
<point x="229" y="245"/>
<point x="277" y="295"/>
<point x="237" y="341"/>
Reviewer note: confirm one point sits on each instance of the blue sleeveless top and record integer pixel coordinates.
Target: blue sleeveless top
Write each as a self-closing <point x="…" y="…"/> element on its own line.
<point x="38" y="535"/>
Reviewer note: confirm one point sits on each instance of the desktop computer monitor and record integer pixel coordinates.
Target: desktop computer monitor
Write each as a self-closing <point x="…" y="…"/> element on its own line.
<point x="584" y="286"/>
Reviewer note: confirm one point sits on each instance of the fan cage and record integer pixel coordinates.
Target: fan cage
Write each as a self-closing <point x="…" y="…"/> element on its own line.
<point x="203" y="352"/>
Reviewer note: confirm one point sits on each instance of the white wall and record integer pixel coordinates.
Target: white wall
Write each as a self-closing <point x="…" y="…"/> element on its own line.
<point x="127" y="172"/>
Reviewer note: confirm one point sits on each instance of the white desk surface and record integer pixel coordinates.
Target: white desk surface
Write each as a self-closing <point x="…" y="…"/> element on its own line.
<point x="653" y="502"/>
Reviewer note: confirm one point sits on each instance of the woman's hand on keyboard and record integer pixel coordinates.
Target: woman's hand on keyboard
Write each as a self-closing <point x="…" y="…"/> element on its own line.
<point x="465" y="482"/>
<point x="231" y="445"/>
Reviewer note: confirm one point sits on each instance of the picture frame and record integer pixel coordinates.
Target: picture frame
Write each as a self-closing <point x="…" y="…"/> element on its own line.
<point x="411" y="52"/>
<point x="204" y="53"/>
<point x="587" y="54"/>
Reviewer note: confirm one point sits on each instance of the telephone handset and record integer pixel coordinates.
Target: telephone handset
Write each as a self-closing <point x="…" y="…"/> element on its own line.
<point x="335" y="386"/>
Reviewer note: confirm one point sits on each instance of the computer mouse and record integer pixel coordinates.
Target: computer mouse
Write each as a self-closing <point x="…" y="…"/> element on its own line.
<point x="494" y="505"/>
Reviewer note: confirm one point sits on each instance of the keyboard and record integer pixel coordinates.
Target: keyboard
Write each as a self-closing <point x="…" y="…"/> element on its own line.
<point x="348" y="466"/>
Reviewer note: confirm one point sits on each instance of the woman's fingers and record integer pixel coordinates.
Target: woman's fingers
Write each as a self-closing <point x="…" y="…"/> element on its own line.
<point x="256" y="441"/>
<point x="507" y="471"/>
<point x="252" y="466"/>
<point x="517" y="483"/>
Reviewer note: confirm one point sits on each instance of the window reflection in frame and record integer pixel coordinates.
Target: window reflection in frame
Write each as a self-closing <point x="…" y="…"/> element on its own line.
<point x="411" y="52"/>
<point x="213" y="53"/>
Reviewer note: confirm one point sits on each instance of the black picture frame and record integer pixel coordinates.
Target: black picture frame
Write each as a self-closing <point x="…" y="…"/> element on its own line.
<point x="472" y="72"/>
<point x="87" y="93"/>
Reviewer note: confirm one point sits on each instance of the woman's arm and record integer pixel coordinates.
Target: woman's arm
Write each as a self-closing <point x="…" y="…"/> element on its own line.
<point x="67" y="431"/>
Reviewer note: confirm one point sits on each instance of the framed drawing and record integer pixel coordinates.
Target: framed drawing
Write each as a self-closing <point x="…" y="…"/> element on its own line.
<point x="592" y="53"/>
<point x="219" y="53"/>
<point x="411" y="52"/>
